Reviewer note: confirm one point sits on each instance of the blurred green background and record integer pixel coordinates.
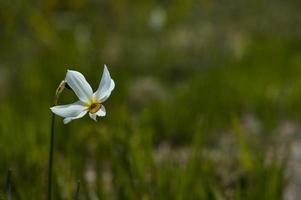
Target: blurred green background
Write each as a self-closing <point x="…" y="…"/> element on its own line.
<point x="207" y="103"/>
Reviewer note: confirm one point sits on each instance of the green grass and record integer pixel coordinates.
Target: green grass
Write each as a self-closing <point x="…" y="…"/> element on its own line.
<point x="188" y="119"/>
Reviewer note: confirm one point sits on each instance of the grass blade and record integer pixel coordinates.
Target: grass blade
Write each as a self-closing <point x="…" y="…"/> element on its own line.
<point x="76" y="194"/>
<point x="8" y="185"/>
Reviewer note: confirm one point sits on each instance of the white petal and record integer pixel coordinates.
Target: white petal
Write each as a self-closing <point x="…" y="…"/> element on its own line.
<point x="108" y="93"/>
<point x="101" y="112"/>
<point x="105" y="87"/>
<point x="70" y="110"/>
<point x="69" y="119"/>
<point x="93" y="116"/>
<point x="79" y="85"/>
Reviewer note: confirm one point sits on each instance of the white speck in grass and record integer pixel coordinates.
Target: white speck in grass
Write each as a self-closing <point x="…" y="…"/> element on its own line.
<point x="88" y="101"/>
<point x="157" y="19"/>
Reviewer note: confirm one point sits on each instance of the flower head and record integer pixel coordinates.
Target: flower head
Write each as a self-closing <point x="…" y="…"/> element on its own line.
<point x="88" y="101"/>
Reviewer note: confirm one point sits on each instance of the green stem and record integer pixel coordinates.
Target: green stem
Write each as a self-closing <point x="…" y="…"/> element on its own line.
<point x="76" y="194"/>
<point x="58" y="91"/>
<point x="50" y="161"/>
<point x="8" y="185"/>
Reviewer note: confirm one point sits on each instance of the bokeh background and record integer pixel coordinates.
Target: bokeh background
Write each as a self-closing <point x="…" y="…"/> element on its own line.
<point x="207" y="103"/>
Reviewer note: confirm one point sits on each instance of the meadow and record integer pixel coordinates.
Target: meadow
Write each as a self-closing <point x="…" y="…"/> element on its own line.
<point x="207" y="102"/>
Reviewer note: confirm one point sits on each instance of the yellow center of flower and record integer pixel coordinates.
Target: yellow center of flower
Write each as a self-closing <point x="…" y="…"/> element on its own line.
<point x="93" y="106"/>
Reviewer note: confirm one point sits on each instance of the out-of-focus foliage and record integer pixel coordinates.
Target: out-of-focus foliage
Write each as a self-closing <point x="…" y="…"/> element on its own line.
<point x="203" y="90"/>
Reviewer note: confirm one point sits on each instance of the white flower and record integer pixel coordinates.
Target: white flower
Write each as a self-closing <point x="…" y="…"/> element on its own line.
<point x="88" y="101"/>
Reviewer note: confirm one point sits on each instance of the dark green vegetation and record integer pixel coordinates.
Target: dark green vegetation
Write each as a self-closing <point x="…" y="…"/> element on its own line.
<point x="203" y="91"/>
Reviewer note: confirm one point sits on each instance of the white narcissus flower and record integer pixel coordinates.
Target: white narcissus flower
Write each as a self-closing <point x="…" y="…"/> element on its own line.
<point x="88" y="101"/>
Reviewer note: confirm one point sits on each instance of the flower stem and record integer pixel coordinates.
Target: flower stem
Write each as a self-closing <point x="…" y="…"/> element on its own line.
<point x="76" y="194"/>
<point x="59" y="90"/>
<point x="8" y="185"/>
<point x="50" y="161"/>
